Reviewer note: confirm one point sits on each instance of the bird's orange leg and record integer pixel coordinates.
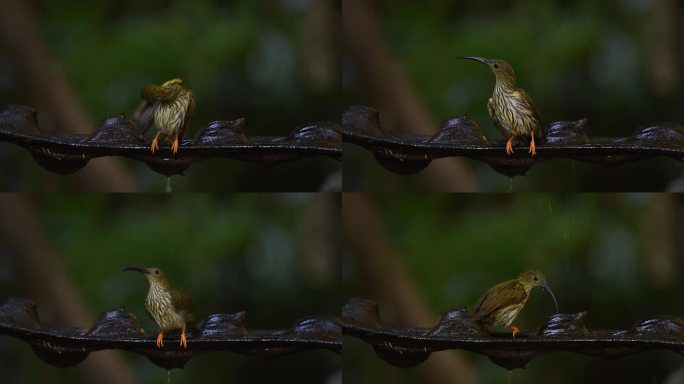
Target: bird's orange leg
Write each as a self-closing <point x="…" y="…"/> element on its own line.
<point x="533" y="148"/>
<point x="515" y="330"/>
<point x="155" y="142"/>
<point x="509" y="146"/>
<point x="174" y="146"/>
<point x="160" y="340"/>
<point x="183" y="341"/>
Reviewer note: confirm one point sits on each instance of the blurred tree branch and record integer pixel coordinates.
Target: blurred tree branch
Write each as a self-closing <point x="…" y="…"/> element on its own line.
<point x="49" y="89"/>
<point x="320" y="222"/>
<point x="48" y="283"/>
<point x="319" y="35"/>
<point x="387" y="282"/>
<point x="393" y="93"/>
<point x="662" y="34"/>
<point x="663" y="259"/>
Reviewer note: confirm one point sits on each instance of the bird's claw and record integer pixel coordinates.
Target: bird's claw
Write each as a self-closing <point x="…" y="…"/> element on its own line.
<point x="155" y="143"/>
<point x="174" y="146"/>
<point x="515" y="330"/>
<point x="183" y="340"/>
<point x="533" y="147"/>
<point x="160" y="340"/>
<point x="509" y="146"/>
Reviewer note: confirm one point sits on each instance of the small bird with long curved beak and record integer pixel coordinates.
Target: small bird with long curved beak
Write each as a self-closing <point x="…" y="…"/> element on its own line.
<point x="511" y="109"/>
<point x="169" y="308"/>
<point x="500" y="305"/>
<point x="169" y="106"/>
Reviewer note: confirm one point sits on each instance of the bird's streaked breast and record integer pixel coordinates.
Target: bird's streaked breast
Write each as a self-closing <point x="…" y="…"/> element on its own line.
<point x="169" y="117"/>
<point x="515" y="115"/>
<point x="158" y="303"/>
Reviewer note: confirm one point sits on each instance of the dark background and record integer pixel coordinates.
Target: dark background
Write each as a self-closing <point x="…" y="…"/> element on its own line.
<point x="273" y="62"/>
<point x="618" y="63"/>
<point x="275" y="256"/>
<point x="616" y="256"/>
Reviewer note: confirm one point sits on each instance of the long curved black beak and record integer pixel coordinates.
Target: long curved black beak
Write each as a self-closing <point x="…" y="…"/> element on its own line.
<point x="474" y="58"/>
<point x="138" y="269"/>
<point x="547" y="289"/>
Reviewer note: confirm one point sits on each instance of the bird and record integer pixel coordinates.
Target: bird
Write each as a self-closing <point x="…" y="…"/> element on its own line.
<point x="511" y="109"/>
<point x="169" y="106"/>
<point x="170" y="309"/>
<point x="500" y="305"/>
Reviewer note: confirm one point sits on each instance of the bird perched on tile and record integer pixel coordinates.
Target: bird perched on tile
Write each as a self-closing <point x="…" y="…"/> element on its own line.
<point x="511" y="109"/>
<point x="169" y="308"/>
<point x="502" y="303"/>
<point x="169" y="107"/>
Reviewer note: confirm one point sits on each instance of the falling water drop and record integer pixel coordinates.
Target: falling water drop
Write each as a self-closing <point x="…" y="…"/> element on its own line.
<point x="168" y="184"/>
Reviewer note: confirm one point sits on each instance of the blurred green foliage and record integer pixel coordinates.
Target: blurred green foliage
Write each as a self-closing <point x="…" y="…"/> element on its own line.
<point x="600" y="253"/>
<point x="242" y="58"/>
<point x="252" y="252"/>
<point x="611" y="62"/>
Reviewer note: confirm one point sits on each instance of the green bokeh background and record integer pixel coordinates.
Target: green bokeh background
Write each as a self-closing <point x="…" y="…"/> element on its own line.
<point x="577" y="59"/>
<point x="604" y="254"/>
<point x="259" y="253"/>
<point x="253" y="59"/>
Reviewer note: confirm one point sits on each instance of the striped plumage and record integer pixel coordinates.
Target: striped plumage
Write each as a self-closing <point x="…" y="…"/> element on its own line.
<point x="512" y="110"/>
<point x="169" y="106"/>
<point x="170" y="309"/>
<point x="502" y="303"/>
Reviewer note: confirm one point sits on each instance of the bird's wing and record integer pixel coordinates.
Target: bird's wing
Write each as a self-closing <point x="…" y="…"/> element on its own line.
<point x="508" y="292"/>
<point x="153" y="93"/>
<point x="188" y="112"/>
<point x="533" y="107"/>
<point x="182" y="303"/>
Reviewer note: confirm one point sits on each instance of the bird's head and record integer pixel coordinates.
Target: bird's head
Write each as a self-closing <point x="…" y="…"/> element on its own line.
<point x="533" y="278"/>
<point x="153" y="274"/>
<point x="501" y="69"/>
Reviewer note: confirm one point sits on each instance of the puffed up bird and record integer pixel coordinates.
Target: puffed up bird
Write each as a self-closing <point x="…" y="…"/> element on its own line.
<point x="511" y="109"/>
<point x="500" y="305"/>
<point x="170" y="309"/>
<point x="169" y="106"/>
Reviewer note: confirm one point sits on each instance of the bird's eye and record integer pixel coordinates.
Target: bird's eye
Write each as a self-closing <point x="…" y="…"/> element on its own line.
<point x="536" y="278"/>
<point x="496" y="66"/>
<point x="156" y="272"/>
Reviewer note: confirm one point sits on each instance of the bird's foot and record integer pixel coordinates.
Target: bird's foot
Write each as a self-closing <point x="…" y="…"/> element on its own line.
<point x="515" y="330"/>
<point x="509" y="146"/>
<point x="183" y="340"/>
<point x="155" y="143"/>
<point x="160" y="340"/>
<point x="174" y="146"/>
<point x="533" y="147"/>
